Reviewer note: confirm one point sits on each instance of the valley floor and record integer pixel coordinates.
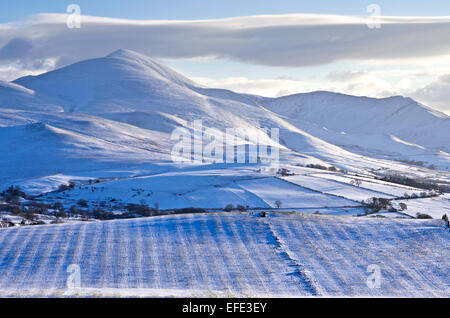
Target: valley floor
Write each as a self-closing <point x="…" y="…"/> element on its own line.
<point x="228" y="255"/>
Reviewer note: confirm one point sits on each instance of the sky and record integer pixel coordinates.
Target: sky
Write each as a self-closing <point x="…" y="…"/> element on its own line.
<point x="264" y="47"/>
<point x="213" y="9"/>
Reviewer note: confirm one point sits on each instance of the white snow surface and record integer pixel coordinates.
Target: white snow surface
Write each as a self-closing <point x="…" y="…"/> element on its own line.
<point x="228" y="255"/>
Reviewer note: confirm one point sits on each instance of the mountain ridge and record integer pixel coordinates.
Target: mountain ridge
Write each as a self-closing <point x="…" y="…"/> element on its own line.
<point x="129" y="87"/>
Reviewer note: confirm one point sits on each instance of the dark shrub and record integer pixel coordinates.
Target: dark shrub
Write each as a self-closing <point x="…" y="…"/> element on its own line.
<point x="423" y="216"/>
<point x="63" y="187"/>
<point x="13" y="194"/>
<point x="316" y="166"/>
<point x="228" y="208"/>
<point x="83" y="203"/>
<point x="285" y="172"/>
<point x="378" y="204"/>
<point x="142" y="210"/>
<point x="190" y="210"/>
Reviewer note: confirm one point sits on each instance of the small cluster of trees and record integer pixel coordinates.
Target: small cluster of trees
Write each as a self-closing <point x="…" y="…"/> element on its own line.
<point x="82" y="203"/>
<point x="418" y="163"/>
<point x="423" y="216"/>
<point x="140" y="209"/>
<point x="321" y="167"/>
<point x="13" y="194"/>
<point x="91" y="181"/>
<point x="4" y="222"/>
<point x="422" y="194"/>
<point x="188" y="210"/>
<point x="239" y="207"/>
<point x="145" y="210"/>
<point x="421" y="184"/>
<point x="375" y="205"/>
<point x="285" y="172"/>
<point x="65" y="187"/>
<point x="316" y="166"/>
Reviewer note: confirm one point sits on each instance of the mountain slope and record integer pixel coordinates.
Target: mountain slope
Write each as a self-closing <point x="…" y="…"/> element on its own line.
<point x="14" y="96"/>
<point x="127" y="104"/>
<point x="394" y="126"/>
<point x="129" y="87"/>
<point x="38" y="144"/>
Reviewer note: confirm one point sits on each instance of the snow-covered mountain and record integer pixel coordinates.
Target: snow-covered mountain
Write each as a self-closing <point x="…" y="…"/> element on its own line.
<point x="94" y="140"/>
<point x="122" y="81"/>
<point x="140" y="89"/>
<point x="394" y="125"/>
<point x="96" y="116"/>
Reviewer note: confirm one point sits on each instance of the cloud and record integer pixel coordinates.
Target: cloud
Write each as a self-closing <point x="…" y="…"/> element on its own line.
<point x="16" y="48"/>
<point x="263" y="87"/>
<point x="13" y="70"/>
<point x="436" y="93"/>
<point x="338" y="76"/>
<point x="19" y="59"/>
<point x="277" y="40"/>
<point x="283" y="86"/>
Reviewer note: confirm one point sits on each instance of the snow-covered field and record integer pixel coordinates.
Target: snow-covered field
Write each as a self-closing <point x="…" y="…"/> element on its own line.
<point x="228" y="254"/>
<point x="336" y="188"/>
<point x="377" y="187"/>
<point x="213" y="187"/>
<point x="435" y="207"/>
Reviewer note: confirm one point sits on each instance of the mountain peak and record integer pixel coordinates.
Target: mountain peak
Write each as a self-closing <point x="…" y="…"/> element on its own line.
<point x="127" y="54"/>
<point x="144" y="63"/>
<point x="114" y="83"/>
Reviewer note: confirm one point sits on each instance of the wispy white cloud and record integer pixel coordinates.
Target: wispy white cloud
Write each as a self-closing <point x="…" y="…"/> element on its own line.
<point x="276" y="87"/>
<point x="264" y="87"/>
<point x="436" y="93"/>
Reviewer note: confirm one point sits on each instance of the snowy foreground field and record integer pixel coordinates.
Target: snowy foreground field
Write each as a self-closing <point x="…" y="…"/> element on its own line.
<point x="228" y="255"/>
